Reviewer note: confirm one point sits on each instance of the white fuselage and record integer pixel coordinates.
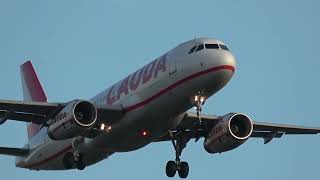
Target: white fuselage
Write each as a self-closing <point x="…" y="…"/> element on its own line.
<point x="154" y="99"/>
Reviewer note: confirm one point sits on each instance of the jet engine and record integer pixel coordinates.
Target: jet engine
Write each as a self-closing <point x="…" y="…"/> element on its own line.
<point x="232" y="131"/>
<point x="75" y="119"/>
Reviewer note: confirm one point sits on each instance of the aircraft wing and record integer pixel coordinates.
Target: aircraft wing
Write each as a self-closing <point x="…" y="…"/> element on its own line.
<point x="287" y="129"/>
<point x="267" y="131"/>
<point x="14" y="151"/>
<point x="40" y="112"/>
<point x="35" y="112"/>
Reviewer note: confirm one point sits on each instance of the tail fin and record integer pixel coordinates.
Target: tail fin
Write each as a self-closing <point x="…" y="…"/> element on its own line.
<point x="32" y="91"/>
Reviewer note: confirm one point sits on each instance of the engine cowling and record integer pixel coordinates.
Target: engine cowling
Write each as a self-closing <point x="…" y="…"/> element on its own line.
<point x="232" y="131"/>
<point x="76" y="118"/>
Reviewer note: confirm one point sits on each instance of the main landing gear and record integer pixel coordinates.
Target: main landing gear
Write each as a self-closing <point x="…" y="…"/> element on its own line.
<point x="173" y="166"/>
<point x="73" y="159"/>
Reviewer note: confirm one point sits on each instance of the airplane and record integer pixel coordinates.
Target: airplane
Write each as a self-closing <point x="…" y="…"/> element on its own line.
<point x="150" y="105"/>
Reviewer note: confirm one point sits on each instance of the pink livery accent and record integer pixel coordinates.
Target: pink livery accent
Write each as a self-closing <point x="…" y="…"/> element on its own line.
<point x="32" y="91"/>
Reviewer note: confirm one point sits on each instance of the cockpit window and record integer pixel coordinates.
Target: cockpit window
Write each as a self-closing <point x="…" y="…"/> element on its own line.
<point x="200" y="47"/>
<point x="192" y="49"/>
<point x="212" y="46"/>
<point x="224" y="47"/>
<point x="207" y="46"/>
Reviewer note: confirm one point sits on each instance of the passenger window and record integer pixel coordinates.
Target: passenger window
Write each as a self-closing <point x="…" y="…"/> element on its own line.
<point x="192" y="49"/>
<point x="199" y="47"/>
<point x="212" y="46"/>
<point x="223" y="47"/>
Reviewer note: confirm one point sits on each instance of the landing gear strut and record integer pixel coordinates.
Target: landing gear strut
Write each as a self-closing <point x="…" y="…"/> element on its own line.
<point x="173" y="166"/>
<point x="199" y="100"/>
<point x="70" y="159"/>
<point x="78" y="160"/>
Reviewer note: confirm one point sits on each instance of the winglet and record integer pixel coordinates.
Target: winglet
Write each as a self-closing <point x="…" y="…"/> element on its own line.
<point x="32" y="91"/>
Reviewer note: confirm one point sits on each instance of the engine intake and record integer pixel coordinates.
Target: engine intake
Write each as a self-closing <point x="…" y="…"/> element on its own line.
<point x="232" y="131"/>
<point x="240" y="126"/>
<point x="85" y="113"/>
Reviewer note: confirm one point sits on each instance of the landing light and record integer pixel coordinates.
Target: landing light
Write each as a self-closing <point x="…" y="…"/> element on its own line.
<point x="105" y="127"/>
<point x="196" y="98"/>
<point x="145" y="133"/>
<point x="102" y="126"/>
<point x="199" y="98"/>
<point x="109" y="128"/>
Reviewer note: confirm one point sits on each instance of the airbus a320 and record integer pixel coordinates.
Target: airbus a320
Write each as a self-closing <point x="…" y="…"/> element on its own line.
<point x="149" y="105"/>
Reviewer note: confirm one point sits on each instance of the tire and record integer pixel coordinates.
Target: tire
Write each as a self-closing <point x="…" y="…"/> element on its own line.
<point x="171" y="168"/>
<point x="184" y="170"/>
<point x="80" y="164"/>
<point x="68" y="160"/>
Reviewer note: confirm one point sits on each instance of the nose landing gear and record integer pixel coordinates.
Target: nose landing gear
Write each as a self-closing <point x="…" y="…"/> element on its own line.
<point x="199" y="101"/>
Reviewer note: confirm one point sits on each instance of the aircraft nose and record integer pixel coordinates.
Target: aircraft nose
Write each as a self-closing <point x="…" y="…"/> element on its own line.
<point x="229" y="60"/>
<point x="223" y="59"/>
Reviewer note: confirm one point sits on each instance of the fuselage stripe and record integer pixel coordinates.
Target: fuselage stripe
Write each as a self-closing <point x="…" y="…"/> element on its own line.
<point x="174" y="85"/>
<point x="49" y="158"/>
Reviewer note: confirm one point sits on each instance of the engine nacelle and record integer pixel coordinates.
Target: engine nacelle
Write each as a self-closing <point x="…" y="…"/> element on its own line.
<point x="76" y="118"/>
<point x="232" y="131"/>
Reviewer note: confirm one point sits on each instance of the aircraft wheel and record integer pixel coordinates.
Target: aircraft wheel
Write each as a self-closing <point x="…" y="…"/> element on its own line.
<point x="68" y="160"/>
<point x="183" y="171"/>
<point x="80" y="164"/>
<point x="171" y="168"/>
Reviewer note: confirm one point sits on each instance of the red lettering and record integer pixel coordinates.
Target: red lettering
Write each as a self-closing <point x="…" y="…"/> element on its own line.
<point x="148" y="71"/>
<point x="110" y="96"/>
<point x="123" y="88"/>
<point x="135" y="81"/>
<point x="161" y="66"/>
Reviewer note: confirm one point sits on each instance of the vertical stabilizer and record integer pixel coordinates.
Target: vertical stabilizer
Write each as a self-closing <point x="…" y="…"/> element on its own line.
<point x="32" y="91"/>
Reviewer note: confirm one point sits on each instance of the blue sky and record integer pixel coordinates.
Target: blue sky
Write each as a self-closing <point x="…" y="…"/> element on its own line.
<point x="81" y="47"/>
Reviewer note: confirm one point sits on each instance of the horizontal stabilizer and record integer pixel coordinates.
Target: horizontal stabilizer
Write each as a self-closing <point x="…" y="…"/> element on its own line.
<point x="14" y="151"/>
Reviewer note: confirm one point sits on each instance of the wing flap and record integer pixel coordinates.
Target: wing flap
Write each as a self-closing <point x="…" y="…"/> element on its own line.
<point x="25" y="117"/>
<point x="260" y="134"/>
